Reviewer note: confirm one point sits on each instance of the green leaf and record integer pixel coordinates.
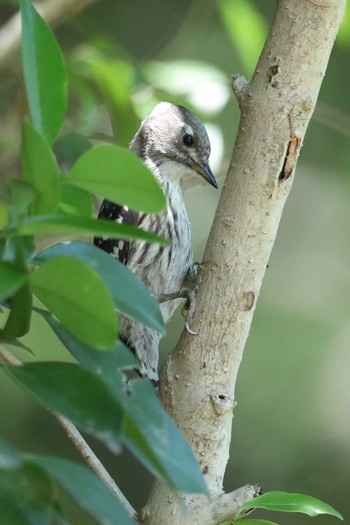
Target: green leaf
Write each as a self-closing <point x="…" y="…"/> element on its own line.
<point x="11" y="280"/>
<point x="153" y="437"/>
<point x="106" y="364"/>
<point x="78" y="298"/>
<point x="118" y="175"/>
<point x="70" y="146"/>
<point x="288" y="502"/>
<point x="4" y="214"/>
<point x="246" y="28"/>
<point x="11" y="513"/>
<point x="44" y="73"/>
<point x="40" y="170"/>
<point x="115" y="79"/>
<point x="31" y="491"/>
<point x="18" y="344"/>
<point x="148" y="430"/>
<point x="86" y="490"/>
<point x="64" y="225"/>
<point x="9" y="457"/>
<point x="75" y="201"/>
<point x="26" y="491"/>
<point x="18" y="321"/>
<point x="131" y="296"/>
<point x="21" y="195"/>
<point x="11" y="246"/>
<point x="249" y="521"/>
<point x="76" y="393"/>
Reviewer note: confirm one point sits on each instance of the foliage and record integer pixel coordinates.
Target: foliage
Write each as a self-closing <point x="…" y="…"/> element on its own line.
<point x="83" y="290"/>
<point x="285" y="502"/>
<point x="75" y="278"/>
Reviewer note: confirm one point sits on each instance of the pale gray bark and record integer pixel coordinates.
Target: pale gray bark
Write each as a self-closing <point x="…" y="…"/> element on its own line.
<point x="198" y="380"/>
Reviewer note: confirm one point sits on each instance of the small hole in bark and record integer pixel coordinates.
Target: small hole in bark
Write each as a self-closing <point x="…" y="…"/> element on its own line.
<point x="290" y="158"/>
<point x="273" y="70"/>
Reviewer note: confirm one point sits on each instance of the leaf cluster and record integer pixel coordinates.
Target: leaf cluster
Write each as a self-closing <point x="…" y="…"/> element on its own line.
<point x="80" y="291"/>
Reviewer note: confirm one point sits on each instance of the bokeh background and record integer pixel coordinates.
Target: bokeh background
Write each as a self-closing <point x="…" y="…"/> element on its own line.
<point x="291" y="426"/>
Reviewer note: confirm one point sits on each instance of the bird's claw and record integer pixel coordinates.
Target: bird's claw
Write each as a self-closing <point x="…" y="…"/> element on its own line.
<point x="188" y="292"/>
<point x="189" y="329"/>
<point x="193" y="277"/>
<point x="192" y="281"/>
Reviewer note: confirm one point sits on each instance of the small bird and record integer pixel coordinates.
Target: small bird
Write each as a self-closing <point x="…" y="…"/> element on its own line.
<point x="173" y="143"/>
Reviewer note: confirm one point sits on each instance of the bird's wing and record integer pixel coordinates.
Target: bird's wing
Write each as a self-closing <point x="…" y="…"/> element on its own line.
<point x="122" y="215"/>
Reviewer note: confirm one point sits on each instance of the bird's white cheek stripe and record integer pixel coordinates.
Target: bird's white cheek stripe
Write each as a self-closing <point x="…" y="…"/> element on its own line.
<point x="187" y="128"/>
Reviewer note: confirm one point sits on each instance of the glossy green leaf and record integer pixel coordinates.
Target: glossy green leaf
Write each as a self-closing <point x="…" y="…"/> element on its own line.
<point x="246" y="28"/>
<point x="40" y="170"/>
<point x="87" y="490"/>
<point x="289" y="502"/>
<point x="11" y="279"/>
<point x="18" y="321"/>
<point x="155" y="440"/>
<point x="118" y="175"/>
<point x="148" y="431"/>
<point x="106" y="364"/>
<point x="131" y="296"/>
<point x="18" y="344"/>
<point x="44" y="73"/>
<point x="64" y="225"/>
<point x="76" y="393"/>
<point x="75" y="201"/>
<point x="78" y="298"/>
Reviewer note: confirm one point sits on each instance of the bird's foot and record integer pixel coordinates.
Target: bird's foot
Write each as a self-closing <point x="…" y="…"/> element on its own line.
<point x="189" y="309"/>
<point x="188" y="292"/>
<point x="192" y="280"/>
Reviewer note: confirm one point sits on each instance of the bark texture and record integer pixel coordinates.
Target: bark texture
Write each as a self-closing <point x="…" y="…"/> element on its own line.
<point x="198" y="380"/>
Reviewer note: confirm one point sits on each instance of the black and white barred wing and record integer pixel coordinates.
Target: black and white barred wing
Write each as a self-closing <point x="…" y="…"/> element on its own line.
<point x="119" y="248"/>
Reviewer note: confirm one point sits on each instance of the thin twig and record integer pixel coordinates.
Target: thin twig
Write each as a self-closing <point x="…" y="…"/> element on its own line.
<point x="93" y="462"/>
<point x="80" y="443"/>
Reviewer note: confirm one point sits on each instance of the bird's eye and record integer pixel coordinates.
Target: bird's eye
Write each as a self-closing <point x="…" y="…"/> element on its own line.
<point x="187" y="140"/>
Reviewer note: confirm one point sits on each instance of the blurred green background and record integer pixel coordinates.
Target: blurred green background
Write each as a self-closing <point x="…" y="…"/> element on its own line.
<point x="291" y="427"/>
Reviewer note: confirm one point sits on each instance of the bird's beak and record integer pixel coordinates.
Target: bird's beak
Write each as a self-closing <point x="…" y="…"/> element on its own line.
<point x="205" y="172"/>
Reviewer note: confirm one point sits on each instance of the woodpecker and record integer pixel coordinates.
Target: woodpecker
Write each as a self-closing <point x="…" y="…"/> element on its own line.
<point x="173" y="143"/>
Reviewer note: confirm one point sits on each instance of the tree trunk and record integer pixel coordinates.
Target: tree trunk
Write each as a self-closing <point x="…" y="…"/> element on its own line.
<point x="198" y="379"/>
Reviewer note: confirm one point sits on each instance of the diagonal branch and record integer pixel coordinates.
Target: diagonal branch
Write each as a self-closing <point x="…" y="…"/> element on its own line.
<point x="53" y="11"/>
<point x="198" y="380"/>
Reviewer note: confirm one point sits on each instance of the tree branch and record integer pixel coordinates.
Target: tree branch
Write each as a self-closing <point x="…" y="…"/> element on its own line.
<point x="198" y="380"/>
<point x="79" y="442"/>
<point x="53" y="11"/>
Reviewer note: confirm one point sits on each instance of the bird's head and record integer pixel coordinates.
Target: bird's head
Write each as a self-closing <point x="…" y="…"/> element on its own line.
<point x="175" y="140"/>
